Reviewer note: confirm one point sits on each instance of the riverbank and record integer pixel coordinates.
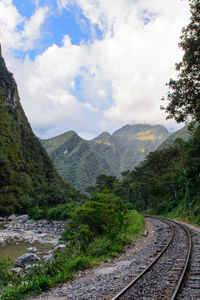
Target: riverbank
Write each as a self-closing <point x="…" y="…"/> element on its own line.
<point x="24" y="229"/>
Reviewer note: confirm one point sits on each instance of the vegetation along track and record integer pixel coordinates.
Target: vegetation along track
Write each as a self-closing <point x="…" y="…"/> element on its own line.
<point x="164" y="276"/>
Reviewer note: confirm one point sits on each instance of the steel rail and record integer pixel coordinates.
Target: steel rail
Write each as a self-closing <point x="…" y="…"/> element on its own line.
<point x="183" y="274"/>
<point x="187" y="259"/>
<point x="123" y="291"/>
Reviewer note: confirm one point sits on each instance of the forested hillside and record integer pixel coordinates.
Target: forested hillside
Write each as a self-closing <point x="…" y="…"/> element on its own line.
<point x="81" y="162"/>
<point x="183" y="133"/>
<point x="27" y="175"/>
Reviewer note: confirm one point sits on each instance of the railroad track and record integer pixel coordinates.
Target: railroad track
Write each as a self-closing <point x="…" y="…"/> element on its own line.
<point x="190" y="290"/>
<point x="164" y="276"/>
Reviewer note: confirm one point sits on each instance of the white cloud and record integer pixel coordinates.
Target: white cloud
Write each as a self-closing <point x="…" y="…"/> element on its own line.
<point x="134" y="59"/>
<point x="32" y="28"/>
<point x="122" y="75"/>
<point x="9" y="20"/>
<point x="17" y="32"/>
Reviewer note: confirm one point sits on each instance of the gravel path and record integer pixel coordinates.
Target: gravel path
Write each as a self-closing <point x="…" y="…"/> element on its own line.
<point x="106" y="280"/>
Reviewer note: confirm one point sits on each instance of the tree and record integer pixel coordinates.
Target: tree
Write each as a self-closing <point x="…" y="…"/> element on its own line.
<point x="184" y="93"/>
<point x="105" y="182"/>
<point x="102" y="214"/>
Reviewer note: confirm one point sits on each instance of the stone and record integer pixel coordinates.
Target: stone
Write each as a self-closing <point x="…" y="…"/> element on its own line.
<point x="17" y="270"/>
<point x="11" y="218"/>
<point x="26" y="260"/>
<point x="22" y="218"/>
<point x="2" y="219"/>
<point x="28" y="227"/>
<point x="48" y="257"/>
<point x="32" y="249"/>
<point x="59" y="247"/>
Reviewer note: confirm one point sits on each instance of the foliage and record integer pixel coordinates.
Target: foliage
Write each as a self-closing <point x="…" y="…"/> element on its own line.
<point x="167" y="180"/>
<point x="58" y="212"/>
<point x="105" y="182"/>
<point x="184" y="92"/>
<point x="98" y="230"/>
<point x="185" y="133"/>
<point x="41" y="277"/>
<point x="5" y="271"/>
<point x="182" y="193"/>
<point x="102" y="214"/>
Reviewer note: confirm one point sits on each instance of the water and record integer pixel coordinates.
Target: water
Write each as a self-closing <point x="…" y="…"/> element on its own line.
<point x="14" y="250"/>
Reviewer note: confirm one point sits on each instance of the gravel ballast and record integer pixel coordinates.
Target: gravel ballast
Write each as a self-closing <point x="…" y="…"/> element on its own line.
<point x="106" y="280"/>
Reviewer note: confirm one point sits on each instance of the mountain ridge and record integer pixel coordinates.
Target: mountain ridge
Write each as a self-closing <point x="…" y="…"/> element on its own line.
<point x="82" y="161"/>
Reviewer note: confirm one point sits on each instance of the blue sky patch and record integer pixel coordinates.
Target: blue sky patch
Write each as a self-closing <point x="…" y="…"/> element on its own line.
<point x="58" y="23"/>
<point x="147" y="16"/>
<point x="25" y="7"/>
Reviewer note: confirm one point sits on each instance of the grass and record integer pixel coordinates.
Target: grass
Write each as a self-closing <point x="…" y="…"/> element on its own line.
<point x="64" y="267"/>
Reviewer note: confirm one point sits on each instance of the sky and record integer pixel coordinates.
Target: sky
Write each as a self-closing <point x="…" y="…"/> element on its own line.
<point x="92" y="65"/>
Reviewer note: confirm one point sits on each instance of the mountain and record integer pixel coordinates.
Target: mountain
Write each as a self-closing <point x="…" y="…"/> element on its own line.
<point x="182" y="133"/>
<point x="80" y="161"/>
<point x="73" y="158"/>
<point x="136" y="141"/>
<point x="27" y="174"/>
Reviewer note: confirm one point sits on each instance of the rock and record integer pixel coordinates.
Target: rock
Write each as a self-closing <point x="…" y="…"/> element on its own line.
<point x="22" y="218"/>
<point x="17" y="270"/>
<point x="60" y="247"/>
<point x="11" y="218"/>
<point x="48" y="257"/>
<point x="2" y="219"/>
<point x="26" y="259"/>
<point x="32" y="249"/>
<point x="55" y="245"/>
<point x="28" y="227"/>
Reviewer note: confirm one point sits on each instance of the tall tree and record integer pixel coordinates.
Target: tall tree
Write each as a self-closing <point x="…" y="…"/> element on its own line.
<point x="184" y="93"/>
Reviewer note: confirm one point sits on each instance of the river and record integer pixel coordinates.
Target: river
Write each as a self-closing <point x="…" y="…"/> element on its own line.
<point x="15" y="249"/>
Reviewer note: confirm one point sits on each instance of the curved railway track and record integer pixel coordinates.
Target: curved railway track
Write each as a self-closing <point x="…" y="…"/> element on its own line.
<point x="165" y="274"/>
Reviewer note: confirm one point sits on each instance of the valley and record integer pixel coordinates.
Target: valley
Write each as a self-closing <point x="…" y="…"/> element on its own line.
<point x="80" y="161"/>
<point x="112" y="204"/>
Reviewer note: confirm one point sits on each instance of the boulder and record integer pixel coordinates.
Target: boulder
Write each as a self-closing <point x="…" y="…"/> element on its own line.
<point x="32" y="249"/>
<point x="11" y="218"/>
<point x="22" y="218"/>
<point x="26" y="260"/>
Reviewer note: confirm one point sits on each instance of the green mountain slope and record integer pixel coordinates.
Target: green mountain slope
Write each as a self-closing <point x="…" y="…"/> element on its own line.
<point x="81" y="161"/>
<point x="136" y="141"/>
<point x="27" y="175"/>
<point x="182" y="133"/>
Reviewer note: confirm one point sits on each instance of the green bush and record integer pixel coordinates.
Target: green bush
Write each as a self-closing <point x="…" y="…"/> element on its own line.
<point x="5" y="273"/>
<point x="98" y="230"/>
<point x="102" y="214"/>
<point x="58" y="212"/>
